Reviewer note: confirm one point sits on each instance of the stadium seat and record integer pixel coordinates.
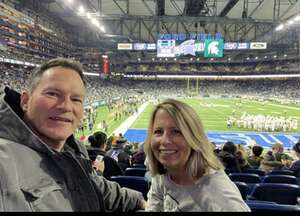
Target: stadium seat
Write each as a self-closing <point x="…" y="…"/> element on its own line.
<point x="245" y="177"/>
<point x="243" y="188"/>
<point x="276" y="192"/>
<point x="281" y="172"/>
<point x="135" y="171"/>
<point x="287" y="179"/>
<point x="134" y="182"/>
<point x="263" y="206"/>
<point x="255" y="171"/>
<point x="138" y="165"/>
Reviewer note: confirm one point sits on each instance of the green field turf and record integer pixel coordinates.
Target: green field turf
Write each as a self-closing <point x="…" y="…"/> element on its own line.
<point x="212" y="111"/>
<point x="215" y="111"/>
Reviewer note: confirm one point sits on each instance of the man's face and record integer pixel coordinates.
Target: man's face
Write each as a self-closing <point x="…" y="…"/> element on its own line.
<point x="53" y="110"/>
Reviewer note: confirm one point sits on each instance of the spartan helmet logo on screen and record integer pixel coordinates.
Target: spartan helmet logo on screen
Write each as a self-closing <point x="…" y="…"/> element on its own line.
<point x="213" y="48"/>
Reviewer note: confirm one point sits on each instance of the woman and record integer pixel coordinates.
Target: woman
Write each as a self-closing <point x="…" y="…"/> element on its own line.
<point x="186" y="174"/>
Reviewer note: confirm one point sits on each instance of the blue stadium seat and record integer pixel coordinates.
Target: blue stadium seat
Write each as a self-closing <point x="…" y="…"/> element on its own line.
<point x="135" y="171"/>
<point x="139" y="165"/>
<point x="245" y="177"/>
<point x="287" y="179"/>
<point x="263" y="206"/>
<point x="243" y="188"/>
<point x="134" y="182"/>
<point x="281" y="172"/>
<point x="255" y="171"/>
<point x="276" y="192"/>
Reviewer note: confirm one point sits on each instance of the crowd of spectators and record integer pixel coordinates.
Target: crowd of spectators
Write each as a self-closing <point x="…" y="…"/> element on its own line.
<point x="16" y="76"/>
<point x="284" y="66"/>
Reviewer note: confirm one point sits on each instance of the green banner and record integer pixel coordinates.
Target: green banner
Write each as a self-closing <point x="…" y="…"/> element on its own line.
<point x="213" y="48"/>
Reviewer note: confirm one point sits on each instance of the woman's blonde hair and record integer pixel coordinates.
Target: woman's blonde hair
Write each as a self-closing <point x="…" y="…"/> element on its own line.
<point x="202" y="157"/>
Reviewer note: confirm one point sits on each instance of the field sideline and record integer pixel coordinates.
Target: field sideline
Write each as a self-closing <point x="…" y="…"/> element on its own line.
<point x="213" y="113"/>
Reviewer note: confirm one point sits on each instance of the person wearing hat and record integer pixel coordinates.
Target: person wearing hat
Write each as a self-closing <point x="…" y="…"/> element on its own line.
<point x="98" y="144"/>
<point x="118" y="153"/>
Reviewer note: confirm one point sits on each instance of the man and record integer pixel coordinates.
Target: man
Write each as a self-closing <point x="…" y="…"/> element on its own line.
<point x="98" y="145"/>
<point x="42" y="166"/>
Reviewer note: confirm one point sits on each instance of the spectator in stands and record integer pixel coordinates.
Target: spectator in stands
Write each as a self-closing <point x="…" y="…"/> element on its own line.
<point x="295" y="166"/>
<point x="186" y="174"/>
<point x="118" y="153"/>
<point x="43" y="168"/>
<point x="255" y="159"/>
<point x="111" y="167"/>
<point x="231" y="159"/>
<point x="270" y="161"/>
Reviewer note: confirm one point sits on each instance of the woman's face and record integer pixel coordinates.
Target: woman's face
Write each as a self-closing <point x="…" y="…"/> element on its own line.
<point x="168" y="144"/>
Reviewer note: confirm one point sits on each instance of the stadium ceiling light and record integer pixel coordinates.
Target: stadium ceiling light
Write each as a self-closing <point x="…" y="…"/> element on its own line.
<point x="256" y="57"/>
<point x="266" y="57"/>
<point x="229" y="59"/>
<point x="297" y="18"/>
<point x="191" y="59"/>
<point x="175" y="59"/>
<point x="285" y="55"/>
<point x="275" y="56"/>
<point x="70" y="1"/>
<point x="102" y="28"/>
<point x="280" y="27"/>
<point x="166" y="59"/>
<point x="139" y="59"/>
<point x="153" y="59"/>
<point x="95" y="22"/>
<point x="248" y="58"/>
<point x="81" y="9"/>
<point x="290" y="22"/>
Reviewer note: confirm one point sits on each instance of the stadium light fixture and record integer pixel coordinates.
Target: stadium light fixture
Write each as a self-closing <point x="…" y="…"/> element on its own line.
<point x="70" y="1"/>
<point x="256" y="57"/>
<point x="102" y="28"/>
<point x="229" y="59"/>
<point x="191" y="59"/>
<point x="139" y="59"/>
<point x="285" y="55"/>
<point x="166" y="59"/>
<point x="290" y="22"/>
<point x="297" y="18"/>
<point x="81" y="9"/>
<point x="266" y="57"/>
<point x="153" y="59"/>
<point x="275" y="56"/>
<point x="248" y="58"/>
<point x="175" y="59"/>
<point x="280" y="27"/>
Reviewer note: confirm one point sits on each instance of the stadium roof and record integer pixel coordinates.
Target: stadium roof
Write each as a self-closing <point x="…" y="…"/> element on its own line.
<point x="141" y="19"/>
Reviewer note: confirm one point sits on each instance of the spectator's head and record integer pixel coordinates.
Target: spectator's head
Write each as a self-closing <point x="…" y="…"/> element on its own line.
<point x="53" y="103"/>
<point x="230" y="147"/>
<point x="177" y="141"/>
<point x="296" y="148"/>
<point x="277" y="148"/>
<point x="98" y="140"/>
<point x="257" y="150"/>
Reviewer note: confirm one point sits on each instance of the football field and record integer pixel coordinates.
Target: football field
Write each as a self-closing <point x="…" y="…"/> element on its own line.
<point x="214" y="113"/>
